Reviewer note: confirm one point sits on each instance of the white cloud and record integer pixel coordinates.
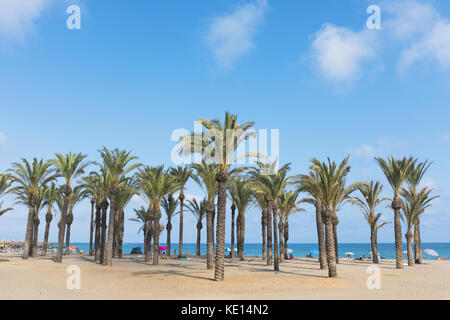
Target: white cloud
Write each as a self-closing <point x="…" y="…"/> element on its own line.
<point x="365" y="151"/>
<point x="230" y="36"/>
<point x="429" y="183"/>
<point x="17" y="17"/>
<point x="421" y="30"/>
<point x="2" y="139"/>
<point x="340" y="52"/>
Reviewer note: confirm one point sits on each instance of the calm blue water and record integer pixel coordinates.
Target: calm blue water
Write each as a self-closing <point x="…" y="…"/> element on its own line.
<point x="386" y="250"/>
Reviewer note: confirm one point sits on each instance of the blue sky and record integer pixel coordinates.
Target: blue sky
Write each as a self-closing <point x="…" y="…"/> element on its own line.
<point x="135" y="72"/>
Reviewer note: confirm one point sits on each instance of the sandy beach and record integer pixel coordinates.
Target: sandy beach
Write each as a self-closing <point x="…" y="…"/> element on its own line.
<point x="132" y="278"/>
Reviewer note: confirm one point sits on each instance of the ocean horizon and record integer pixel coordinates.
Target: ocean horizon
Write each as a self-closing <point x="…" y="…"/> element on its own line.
<point x="386" y="250"/>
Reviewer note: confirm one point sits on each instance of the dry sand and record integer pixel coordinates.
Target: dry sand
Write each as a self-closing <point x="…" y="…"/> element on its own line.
<point x="132" y="278"/>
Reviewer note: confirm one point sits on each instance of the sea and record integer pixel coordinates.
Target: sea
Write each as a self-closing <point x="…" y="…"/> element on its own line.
<point x="385" y="250"/>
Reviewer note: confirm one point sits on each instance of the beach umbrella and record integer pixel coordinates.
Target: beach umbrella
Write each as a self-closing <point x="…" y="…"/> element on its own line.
<point x="162" y="248"/>
<point x="431" y="252"/>
<point x="349" y="254"/>
<point x="235" y="249"/>
<point x="290" y="250"/>
<point x="227" y="249"/>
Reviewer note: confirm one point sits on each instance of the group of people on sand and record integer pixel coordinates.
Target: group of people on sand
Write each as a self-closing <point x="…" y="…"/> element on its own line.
<point x="438" y="258"/>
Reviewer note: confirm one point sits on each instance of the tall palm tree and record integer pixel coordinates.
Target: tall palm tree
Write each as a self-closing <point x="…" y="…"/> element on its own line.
<point x="414" y="179"/>
<point x="169" y="205"/>
<point x="205" y="176"/>
<point x="288" y="203"/>
<point x="142" y="217"/>
<point x="242" y="196"/>
<point x="117" y="164"/>
<point x="198" y="210"/>
<point x="310" y="184"/>
<point x="155" y="184"/>
<point x="78" y="194"/>
<point x="5" y="183"/>
<point x="219" y="144"/>
<point x="233" y="231"/>
<point x="27" y="179"/>
<point x="368" y="203"/>
<point x="397" y="172"/>
<point x="182" y="175"/>
<point x="49" y="201"/>
<point x="271" y="183"/>
<point x="69" y="167"/>
<point x="330" y="178"/>
<point x="90" y="185"/>
<point x="414" y="205"/>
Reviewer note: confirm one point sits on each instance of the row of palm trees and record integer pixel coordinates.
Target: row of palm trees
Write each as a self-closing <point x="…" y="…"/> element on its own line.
<point x="277" y="194"/>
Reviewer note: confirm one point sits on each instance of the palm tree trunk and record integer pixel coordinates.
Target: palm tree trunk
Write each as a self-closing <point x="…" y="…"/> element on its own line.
<point x="269" y="236"/>
<point x="91" y="235"/>
<point x="286" y="238"/>
<point x="112" y="217"/>
<point x="48" y="220"/>
<point x="373" y="242"/>
<point x="169" y="231"/>
<point x="238" y="234"/>
<point x="29" y="231"/>
<point x="105" y="205"/>
<point x="263" y="232"/>
<point x="68" y="239"/>
<point x="145" y="240"/>
<point x="97" y="231"/>
<point x="156" y="232"/>
<point x="148" y="241"/>
<point x="417" y="243"/>
<point x="121" y="232"/>
<point x="241" y="217"/>
<point x="329" y="243"/>
<point x="233" y="210"/>
<point x="280" y="236"/>
<point x="335" y="235"/>
<point x="116" y="234"/>
<point x="197" y="249"/>
<point x="276" y="265"/>
<point x="209" y="208"/>
<point x="396" y="205"/>
<point x="62" y="224"/>
<point x="409" y="236"/>
<point x="180" y="241"/>
<point x="35" y="236"/>
<point x="221" y="178"/>
<point x="321" y="237"/>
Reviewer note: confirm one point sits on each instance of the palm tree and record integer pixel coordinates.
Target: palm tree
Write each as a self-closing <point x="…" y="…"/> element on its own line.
<point x="218" y="145"/>
<point x="142" y="217"/>
<point x="198" y="210"/>
<point x="182" y="175"/>
<point x="50" y="198"/>
<point x="271" y="184"/>
<point x="414" y="179"/>
<point x="397" y="172"/>
<point x="90" y="186"/>
<point x="310" y="183"/>
<point x="288" y="203"/>
<point x="205" y="176"/>
<point x="117" y="165"/>
<point x="330" y="178"/>
<point x="169" y="205"/>
<point x="233" y="231"/>
<point x="78" y="193"/>
<point x="242" y="196"/>
<point x="414" y="205"/>
<point x="155" y="183"/>
<point x="28" y="178"/>
<point x="69" y="167"/>
<point x="40" y="196"/>
<point x="5" y="183"/>
<point x="368" y="203"/>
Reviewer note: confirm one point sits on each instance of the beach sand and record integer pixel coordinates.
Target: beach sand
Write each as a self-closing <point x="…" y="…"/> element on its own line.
<point x="132" y="278"/>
